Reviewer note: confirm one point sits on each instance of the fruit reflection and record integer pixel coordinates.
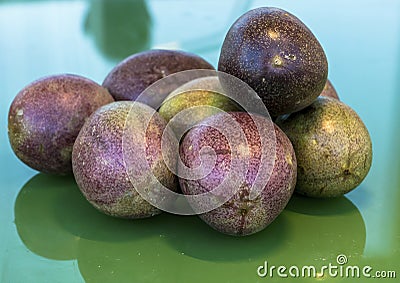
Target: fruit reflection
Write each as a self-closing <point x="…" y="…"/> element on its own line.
<point x="55" y="221"/>
<point x="36" y="219"/>
<point x="119" y="27"/>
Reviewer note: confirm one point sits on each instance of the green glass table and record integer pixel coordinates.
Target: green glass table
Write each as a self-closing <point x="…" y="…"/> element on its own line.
<point x="49" y="233"/>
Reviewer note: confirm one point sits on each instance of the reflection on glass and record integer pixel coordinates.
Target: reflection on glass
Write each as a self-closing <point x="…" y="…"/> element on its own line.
<point x="178" y="247"/>
<point x="119" y="27"/>
<point x="55" y="221"/>
<point x="395" y="243"/>
<point x="324" y="229"/>
<point x="200" y="241"/>
<point x="35" y="217"/>
<point x="395" y="157"/>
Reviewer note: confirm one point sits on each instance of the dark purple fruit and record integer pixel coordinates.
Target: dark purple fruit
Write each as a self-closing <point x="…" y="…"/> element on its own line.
<point x="133" y="75"/>
<point x="240" y="215"/>
<point x="46" y="116"/>
<point x="278" y="56"/>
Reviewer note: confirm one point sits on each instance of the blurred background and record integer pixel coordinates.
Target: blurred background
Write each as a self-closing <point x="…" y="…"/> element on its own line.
<point x="53" y="235"/>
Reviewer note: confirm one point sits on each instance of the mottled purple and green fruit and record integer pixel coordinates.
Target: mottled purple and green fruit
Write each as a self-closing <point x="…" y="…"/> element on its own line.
<point x="332" y="145"/>
<point x="278" y="56"/>
<point x="195" y="102"/>
<point x="240" y="215"/>
<point x="211" y="83"/>
<point x="46" y="117"/>
<point x="99" y="160"/>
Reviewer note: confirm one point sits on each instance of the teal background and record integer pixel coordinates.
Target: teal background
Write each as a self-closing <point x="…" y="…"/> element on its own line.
<point x="49" y="233"/>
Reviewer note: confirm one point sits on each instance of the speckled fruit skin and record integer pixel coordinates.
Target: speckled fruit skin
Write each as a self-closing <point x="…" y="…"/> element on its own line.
<point x="45" y="118"/>
<point x="188" y="100"/>
<point x="134" y="74"/>
<point x="329" y="91"/>
<point x="205" y="83"/>
<point x="332" y="145"/>
<point x="278" y="56"/>
<point x="240" y="216"/>
<point x="99" y="166"/>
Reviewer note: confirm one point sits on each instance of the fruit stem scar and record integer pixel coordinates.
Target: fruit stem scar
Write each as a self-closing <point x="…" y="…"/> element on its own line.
<point x="291" y="57"/>
<point x="273" y="34"/>
<point x="288" y="158"/>
<point x="277" y="61"/>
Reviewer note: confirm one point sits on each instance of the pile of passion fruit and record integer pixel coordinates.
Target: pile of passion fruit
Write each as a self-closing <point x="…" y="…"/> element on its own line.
<point x="321" y="148"/>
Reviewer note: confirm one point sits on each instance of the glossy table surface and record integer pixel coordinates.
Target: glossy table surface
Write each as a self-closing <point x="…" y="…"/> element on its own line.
<point x="49" y="233"/>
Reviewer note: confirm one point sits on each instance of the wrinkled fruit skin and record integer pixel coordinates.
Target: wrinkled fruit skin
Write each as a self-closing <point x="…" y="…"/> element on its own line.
<point x="332" y="145"/>
<point x="133" y="75"/>
<point x="241" y="216"/>
<point x="329" y="91"/>
<point x="278" y="56"/>
<point x="99" y="165"/>
<point x="45" y="118"/>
